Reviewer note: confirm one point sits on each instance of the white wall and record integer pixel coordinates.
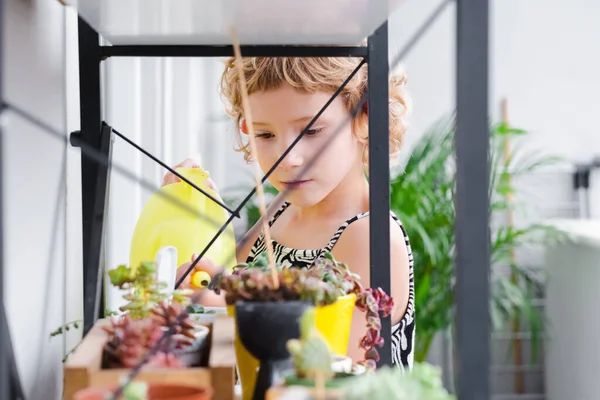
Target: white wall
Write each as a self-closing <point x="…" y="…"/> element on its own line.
<point x="42" y="262"/>
<point x="544" y="60"/>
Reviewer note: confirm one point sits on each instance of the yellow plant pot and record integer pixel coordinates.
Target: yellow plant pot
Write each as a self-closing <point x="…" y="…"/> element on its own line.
<point x="333" y="321"/>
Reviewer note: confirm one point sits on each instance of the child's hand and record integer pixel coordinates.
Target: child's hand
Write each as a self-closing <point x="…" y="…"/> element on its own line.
<point x="187" y="163"/>
<point x="204" y="264"/>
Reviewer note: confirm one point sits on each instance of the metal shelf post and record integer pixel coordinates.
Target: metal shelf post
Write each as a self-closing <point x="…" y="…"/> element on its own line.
<point x="472" y="289"/>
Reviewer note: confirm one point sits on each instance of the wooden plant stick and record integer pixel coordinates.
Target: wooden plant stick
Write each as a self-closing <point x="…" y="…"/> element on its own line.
<point x="253" y="152"/>
<point x="319" y="386"/>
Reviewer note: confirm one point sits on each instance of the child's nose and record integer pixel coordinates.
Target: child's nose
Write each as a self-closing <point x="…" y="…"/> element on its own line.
<point x="293" y="158"/>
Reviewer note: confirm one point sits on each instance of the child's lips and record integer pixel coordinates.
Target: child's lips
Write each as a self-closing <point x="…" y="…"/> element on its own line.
<point x="296" y="184"/>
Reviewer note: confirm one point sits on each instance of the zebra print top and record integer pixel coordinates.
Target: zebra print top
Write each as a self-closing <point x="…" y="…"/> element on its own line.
<point x="403" y="333"/>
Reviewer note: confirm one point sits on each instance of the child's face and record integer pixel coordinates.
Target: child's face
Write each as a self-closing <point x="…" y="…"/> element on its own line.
<point x="279" y="116"/>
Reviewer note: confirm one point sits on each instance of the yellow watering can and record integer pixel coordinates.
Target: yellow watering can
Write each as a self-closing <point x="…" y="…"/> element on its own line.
<point x="164" y="223"/>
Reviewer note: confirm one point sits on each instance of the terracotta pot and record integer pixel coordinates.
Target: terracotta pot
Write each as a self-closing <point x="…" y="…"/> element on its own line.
<point x="156" y="391"/>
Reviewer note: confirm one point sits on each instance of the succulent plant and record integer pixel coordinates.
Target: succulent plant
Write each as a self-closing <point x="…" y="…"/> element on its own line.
<point x="130" y="339"/>
<point x="255" y="284"/>
<point x="146" y="292"/>
<point x="322" y="284"/>
<point x="66" y="327"/>
<point x="169" y="315"/>
<point x="310" y="353"/>
<point x="423" y="382"/>
<point x="373" y="302"/>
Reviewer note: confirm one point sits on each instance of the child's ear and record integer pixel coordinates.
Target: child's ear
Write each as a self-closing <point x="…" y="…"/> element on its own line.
<point x="244" y="127"/>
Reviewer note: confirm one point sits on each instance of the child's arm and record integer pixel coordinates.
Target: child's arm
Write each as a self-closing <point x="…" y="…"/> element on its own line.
<point x="187" y="163"/>
<point x="353" y="249"/>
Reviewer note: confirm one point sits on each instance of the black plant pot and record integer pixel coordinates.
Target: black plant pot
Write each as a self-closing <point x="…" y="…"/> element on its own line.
<point x="264" y="329"/>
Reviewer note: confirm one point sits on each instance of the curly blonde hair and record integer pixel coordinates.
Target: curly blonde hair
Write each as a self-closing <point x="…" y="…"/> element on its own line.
<point x="311" y="75"/>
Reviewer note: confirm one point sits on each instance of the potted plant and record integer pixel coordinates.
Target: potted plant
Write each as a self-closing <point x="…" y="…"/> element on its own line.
<point x="149" y="313"/>
<point x="339" y="283"/>
<point x="323" y="286"/>
<point x="130" y="340"/>
<point x="314" y="363"/>
<point x="155" y="336"/>
<point x="313" y="371"/>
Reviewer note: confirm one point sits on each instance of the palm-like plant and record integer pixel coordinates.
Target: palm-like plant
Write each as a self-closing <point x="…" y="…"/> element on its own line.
<point x="422" y="195"/>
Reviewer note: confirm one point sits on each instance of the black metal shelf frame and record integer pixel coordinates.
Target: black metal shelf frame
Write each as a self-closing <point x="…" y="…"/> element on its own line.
<point x="97" y="134"/>
<point x="472" y="227"/>
<point x="472" y="223"/>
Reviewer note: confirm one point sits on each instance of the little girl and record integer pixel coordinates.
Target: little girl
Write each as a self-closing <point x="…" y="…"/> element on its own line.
<point x="329" y="209"/>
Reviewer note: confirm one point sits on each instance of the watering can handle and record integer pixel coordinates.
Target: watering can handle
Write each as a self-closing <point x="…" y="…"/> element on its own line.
<point x="166" y="266"/>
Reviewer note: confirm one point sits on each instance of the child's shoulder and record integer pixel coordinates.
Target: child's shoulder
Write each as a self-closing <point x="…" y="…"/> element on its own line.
<point x="355" y="239"/>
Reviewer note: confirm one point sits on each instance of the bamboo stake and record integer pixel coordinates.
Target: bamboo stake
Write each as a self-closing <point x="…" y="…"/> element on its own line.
<point x="517" y="345"/>
<point x="253" y="151"/>
<point x="319" y="386"/>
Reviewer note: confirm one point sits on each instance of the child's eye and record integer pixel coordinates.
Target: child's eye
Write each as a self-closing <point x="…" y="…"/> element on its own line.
<point x="264" y="135"/>
<point x="313" y="131"/>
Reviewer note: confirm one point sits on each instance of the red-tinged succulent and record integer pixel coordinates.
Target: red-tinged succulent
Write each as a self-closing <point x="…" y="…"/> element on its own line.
<point x="255" y="284"/>
<point x="373" y="302"/>
<point x="130" y="340"/>
<point x="168" y="315"/>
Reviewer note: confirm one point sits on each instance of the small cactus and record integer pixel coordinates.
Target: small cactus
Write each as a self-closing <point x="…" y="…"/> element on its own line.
<point x="310" y="353"/>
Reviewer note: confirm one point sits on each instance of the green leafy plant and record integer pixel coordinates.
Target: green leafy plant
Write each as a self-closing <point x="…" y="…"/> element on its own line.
<point x="66" y="327"/>
<point x="422" y="195"/>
